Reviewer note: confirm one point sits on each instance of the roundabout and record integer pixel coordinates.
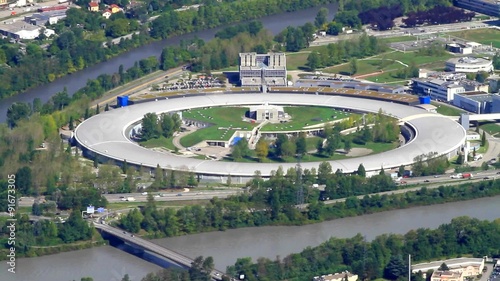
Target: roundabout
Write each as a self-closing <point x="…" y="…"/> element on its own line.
<point x="106" y="135"/>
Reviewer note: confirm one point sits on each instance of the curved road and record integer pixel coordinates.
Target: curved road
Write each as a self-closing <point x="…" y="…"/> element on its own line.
<point x="104" y="134"/>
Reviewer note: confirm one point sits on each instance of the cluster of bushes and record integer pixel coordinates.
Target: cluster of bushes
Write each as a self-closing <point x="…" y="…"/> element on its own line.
<point x="438" y="15"/>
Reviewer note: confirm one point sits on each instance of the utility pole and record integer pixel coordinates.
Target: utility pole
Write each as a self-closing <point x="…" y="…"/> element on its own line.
<point x="299" y="183"/>
<point x="409" y="267"/>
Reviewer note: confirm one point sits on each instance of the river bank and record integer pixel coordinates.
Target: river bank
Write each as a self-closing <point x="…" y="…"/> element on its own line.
<point x="109" y="263"/>
<point x="275" y="23"/>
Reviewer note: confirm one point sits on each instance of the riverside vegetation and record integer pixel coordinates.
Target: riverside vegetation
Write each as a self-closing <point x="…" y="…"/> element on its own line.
<point x="384" y="257"/>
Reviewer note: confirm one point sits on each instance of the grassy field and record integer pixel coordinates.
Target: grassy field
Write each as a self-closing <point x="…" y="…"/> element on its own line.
<point x="485" y="36"/>
<point x="159" y="142"/>
<point x="226" y="121"/>
<point x="306" y="116"/>
<point x="398" y="39"/>
<point x="447" y="110"/>
<point x="387" y="62"/>
<point x="296" y="61"/>
<point x="490" y="128"/>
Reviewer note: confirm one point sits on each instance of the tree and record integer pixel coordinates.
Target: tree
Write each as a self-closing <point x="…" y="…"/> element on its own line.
<point x="37" y="105"/>
<point x="17" y="112"/>
<point x="262" y="149"/>
<point x="395" y="268"/>
<point x="313" y="61"/>
<point x="319" y="146"/>
<point x="97" y="109"/>
<point x="361" y="171"/>
<point x="353" y="66"/>
<point x="150" y="128"/>
<point x="483" y="139"/>
<point x="401" y="170"/>
<point x="347" y="145"/>
<point x="443" y="267"/>
<point x="321" y="17"/>
<point x="460" y="159"/>
<point x="485" y="166"/>
<point x="300" y="144"/>
<point x="334" y="28"/>
<point x="96" y="162"/>
<point x="24" y="180"/>
<point x="106" y="108"/>
<point x="71" y="123"/>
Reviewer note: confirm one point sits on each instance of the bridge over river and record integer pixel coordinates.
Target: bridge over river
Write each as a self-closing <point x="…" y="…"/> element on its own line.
<point x="153" y="248"/>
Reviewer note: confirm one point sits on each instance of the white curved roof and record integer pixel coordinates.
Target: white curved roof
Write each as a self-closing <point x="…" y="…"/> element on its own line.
<point x="104" y="134"/>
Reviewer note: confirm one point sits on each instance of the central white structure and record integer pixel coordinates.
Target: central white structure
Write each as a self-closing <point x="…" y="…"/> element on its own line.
<point x="469" y="65"/>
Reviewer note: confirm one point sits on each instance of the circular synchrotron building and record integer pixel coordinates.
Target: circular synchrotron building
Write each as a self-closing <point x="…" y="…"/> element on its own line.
<point x="106" y="135"/>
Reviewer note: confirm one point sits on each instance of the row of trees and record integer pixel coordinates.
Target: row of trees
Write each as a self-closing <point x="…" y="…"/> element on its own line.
<point x="438" y="15"/>
<point x="343" y="51"/>
<point x="384" y="257"/>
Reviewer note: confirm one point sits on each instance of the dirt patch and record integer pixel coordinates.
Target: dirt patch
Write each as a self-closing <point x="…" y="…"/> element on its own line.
<point x="359" y="151"/>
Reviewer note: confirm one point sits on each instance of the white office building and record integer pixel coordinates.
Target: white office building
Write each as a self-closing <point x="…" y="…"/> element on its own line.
<point x="469" y="65"/>
<point x="437" y="89"/>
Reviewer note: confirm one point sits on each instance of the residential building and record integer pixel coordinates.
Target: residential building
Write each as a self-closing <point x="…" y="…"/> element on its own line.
<point x="469" y="65"/>
<point x="487" y="7"/>
<point x="94" y="7"/>
<point x="466" y="266"/>
<point x="337" y="277"/>
<point x="115" y="8"/>
<point x="446" y="276"/>
<point x="263" y="69"/>
<point x="107" y="13"/>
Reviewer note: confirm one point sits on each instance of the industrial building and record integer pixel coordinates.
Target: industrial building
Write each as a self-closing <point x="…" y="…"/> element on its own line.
<point x="458" y="48"/>
<point x="42" y="19"/>
<point x="22" y="30"/>
<point x="478" y="102"/>
<point x="263" y="69"/>
<point x="444" y="86"/>
<point x="469" y="65"/>
<point x="349" y="84"/>
<point x="487" y="7"/>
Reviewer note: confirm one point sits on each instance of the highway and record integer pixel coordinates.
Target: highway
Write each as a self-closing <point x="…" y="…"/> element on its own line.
<point x="152" y="247"/>
<point x="167" y="196"/>
<point x="176" y="196"/>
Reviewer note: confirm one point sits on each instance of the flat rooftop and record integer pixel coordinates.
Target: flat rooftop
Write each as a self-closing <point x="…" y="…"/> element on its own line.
<point x="18" y="26"/>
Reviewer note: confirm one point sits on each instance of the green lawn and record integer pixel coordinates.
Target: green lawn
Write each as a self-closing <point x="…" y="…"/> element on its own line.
<point x="490" y="128"/>
<point x="296" y="61"/>
<point x="378" y="147"/>
<point x="447" y="110"/>
<point x="226" y="121"/>
<point x="366" y="66"/>
<point x="159" y="142"/>
<point x="485" y="36"/>
<point x="303" y="116"/>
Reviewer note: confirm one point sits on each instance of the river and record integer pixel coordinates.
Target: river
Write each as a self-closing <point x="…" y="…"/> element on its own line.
<point x="73" y="82"/>
<point x="110" y="264"/>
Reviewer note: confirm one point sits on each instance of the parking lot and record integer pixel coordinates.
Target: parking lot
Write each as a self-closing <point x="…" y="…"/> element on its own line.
<point x="495" y="274"/>
<point x="201" y="82"/>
